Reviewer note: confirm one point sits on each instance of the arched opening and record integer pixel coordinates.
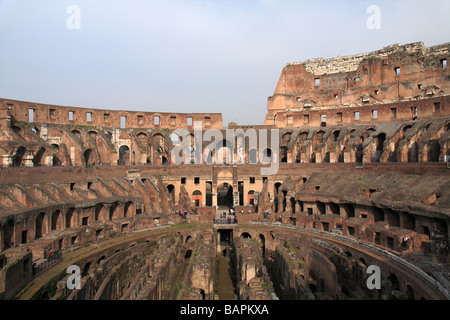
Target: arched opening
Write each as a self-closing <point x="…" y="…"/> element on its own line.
<point x="40" y="225"/>
<point x="202" y="293"/>
<point x="18" y="157"/>
<point x="376" y="155"/>
<point x="394" y="282"/>
<point x="55" y="221"/>
<point x="409" y="221"/>
<point x="263" y="245"/>
<point x="434" y="151"/>
<point x="284" y="193"/>
<point x="392" y="217"/>
<point x="98" y="212"/>
<point x="159" y="140"/>
<point x="208" y="195"/>
<point x="164" y="160"/>
<point x="413" y="153"/>
<point x="188" y="254"/>
<point x="108" y="135"/>
<point x="197" y="198"/>
<point x="283" y="154"/>
<point x="349" y="210"/>
<point x="251" y="198"/>
<point x="124" y="155"/>
<point x="409" y="293"/>
<point x="86" y="268"/>
<point x="378" y="214"/>
<point x="359" y="155"/>
<point x="8" y="234"/>
<point x="336" y="134"/>
<point x="69" y="217"/>
<point x="320" y="207"/>
<point x="56" y="156"/>
<point x="334" y="208"/>
<point x="293" y="202"/>
<point x="246" y="235"/>
<point x="275" y="199"/>
<point x="225" y="195"/>
<point x="112" y="211"/>
<point x="171" y="190"/>
<point x="88" y="157"/>
<point x="127" y="209"/>
<point x="38" y="158"/>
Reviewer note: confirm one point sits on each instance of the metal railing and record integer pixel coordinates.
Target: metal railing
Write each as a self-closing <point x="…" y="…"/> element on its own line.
<point x="53" y="258"/>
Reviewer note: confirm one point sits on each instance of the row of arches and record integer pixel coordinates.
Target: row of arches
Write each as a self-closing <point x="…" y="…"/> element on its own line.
<point x="40" y="224"/>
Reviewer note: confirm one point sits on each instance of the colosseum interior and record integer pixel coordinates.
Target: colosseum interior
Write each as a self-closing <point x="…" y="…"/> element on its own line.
<point x="363" y="180"/>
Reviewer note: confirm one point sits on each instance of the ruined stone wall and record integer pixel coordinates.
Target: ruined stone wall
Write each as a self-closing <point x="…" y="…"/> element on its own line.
<point x="253" y="279"/>
<point x="330" y="91"/>
<point x="68" y="115"/>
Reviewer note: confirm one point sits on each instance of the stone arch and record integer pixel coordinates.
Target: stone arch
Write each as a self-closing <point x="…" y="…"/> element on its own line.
<point x="40" y="225"/>
<point x="17" y="159"/>
<point x="225" y="194"/>
<point x="159" y="140"/>
<point x="141" y="135"/>
<point x="286" y="137"/>
<point x="56" y="223"/>
<point x="321" y="209"/>
<point x="409" y="292"/>
<point x="70" y="218"/>
<point x="108" y="135"/>
<point x="246" y="235"/>
<point x="7" y="232"/>
<point x="293" y="204"/>
<point x="379" y="146"/>
<point x="89" y="157"/>
<point x="318" y="136"/>
<point x="124" y="155"/>
<point x="413" y="152"/>
<point x="38" y="159"/>
<point x="434" y="151"/>
<point x="334" y="208"/>
<point x="99" y="212"/>
<point x="113" y="211"/>
<point x="127" y="212"/>
<point x="251" y="198"/>
<point x="335" y="134"/>
<point x="171" y="191"/>
<point x="197" y="198"/>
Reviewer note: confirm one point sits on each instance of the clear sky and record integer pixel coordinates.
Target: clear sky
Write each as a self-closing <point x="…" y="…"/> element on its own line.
<point x="190" y="56"/>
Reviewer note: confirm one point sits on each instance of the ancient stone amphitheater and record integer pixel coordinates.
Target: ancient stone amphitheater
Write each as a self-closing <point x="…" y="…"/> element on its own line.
<point x="363" y="179"/>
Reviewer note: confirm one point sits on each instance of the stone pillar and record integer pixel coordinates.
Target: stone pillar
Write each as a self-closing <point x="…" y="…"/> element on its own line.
<point x="5" y="160"/>
<point x="27" y="159"/>
<point x="214" y="198"/>
<point x="235" y="198"/>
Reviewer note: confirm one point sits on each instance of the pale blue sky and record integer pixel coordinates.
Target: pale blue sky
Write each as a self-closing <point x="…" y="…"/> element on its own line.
<point x="190" y="56"/>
